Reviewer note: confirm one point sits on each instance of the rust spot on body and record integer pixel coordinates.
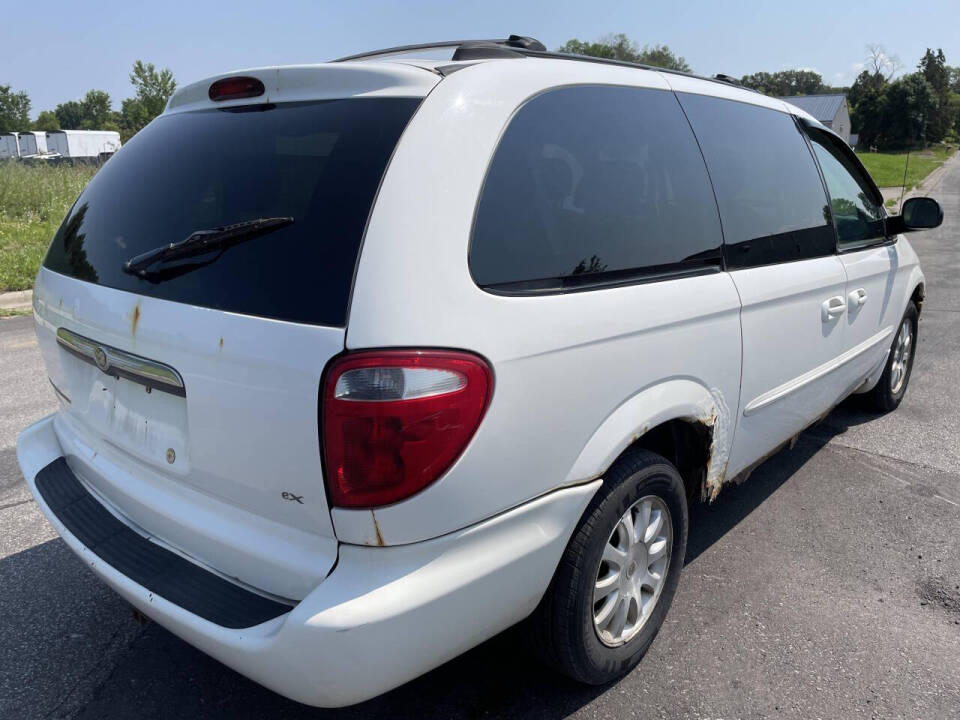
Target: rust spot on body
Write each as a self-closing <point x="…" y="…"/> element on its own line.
<point x="221" y="344"/>
<point x="136" y="319"/>
<point x="376" y="529"/>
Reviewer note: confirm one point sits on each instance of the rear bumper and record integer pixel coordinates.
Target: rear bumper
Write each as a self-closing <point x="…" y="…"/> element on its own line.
<point x="383" y="616"/>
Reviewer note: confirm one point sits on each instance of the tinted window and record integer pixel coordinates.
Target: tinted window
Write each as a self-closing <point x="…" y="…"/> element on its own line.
<point x="318" y="162"/>
<point x="594" y="184"/>
<point x="771" y="198"/>
<point x="857" y="211"/>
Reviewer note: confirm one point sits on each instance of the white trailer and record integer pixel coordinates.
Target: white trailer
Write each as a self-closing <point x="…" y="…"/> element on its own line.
<point x="9" y="145"/>
<point x="33" y="142"/>
<point x="83" y="144"/>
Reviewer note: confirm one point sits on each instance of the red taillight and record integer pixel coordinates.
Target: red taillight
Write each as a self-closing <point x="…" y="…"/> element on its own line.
<point x="232" y="88"/>
<point x="394" y="421"/>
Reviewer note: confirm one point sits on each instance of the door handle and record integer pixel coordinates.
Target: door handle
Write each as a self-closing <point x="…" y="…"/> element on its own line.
<point x="857" y="297"/>
<point x="833" y="307"/>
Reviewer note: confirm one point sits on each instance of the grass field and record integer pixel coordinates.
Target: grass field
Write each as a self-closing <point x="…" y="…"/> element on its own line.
<point x="33" y="201"/>
<point x="887" y="168"/>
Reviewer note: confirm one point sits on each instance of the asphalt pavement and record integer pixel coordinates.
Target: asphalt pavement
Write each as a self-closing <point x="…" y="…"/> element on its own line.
<point x="827" y="585"/>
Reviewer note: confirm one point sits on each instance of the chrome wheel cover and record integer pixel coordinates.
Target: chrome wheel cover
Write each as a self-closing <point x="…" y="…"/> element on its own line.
<point x="633" y="571"/>
<point x="902" y="349"/>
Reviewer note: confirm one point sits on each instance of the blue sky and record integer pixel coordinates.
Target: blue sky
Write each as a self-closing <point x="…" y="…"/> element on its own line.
<point x="73" y="47"/>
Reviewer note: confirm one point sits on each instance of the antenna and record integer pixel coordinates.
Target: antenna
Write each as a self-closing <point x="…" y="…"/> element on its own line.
<point x="903" y="185"/>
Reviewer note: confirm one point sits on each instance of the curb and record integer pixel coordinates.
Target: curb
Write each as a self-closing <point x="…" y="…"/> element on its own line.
<point x="18" y="300"/>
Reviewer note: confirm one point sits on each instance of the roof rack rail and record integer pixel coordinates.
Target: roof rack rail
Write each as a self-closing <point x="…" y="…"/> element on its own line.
<point x="729" y="79"/>
<point x="523" y="46"/>
<point x="526" y="43"/>
<point x="484" y="51"/>
<point x="519" y="42"/>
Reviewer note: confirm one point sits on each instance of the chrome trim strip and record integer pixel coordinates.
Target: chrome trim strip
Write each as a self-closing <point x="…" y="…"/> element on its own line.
<point x="120" y="363"/>
<point x="791" y="386"/>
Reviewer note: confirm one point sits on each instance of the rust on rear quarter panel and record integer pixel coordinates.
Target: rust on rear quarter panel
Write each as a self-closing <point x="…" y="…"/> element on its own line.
<point x="376" y="529"/>
<point x="716" y="420"/>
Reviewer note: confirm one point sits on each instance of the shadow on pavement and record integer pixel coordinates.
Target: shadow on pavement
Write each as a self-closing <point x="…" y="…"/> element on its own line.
<point x="160" y="676"/>
<point x="709" y="523"/>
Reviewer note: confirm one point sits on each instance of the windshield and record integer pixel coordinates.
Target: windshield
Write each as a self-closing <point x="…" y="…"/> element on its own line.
<point x="319" y="163"/>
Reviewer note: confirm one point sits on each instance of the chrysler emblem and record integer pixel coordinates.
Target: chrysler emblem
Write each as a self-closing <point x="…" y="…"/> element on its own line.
<point x="101" y="358"/>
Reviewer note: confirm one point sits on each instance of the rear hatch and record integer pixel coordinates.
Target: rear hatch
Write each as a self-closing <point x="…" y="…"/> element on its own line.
<point x="189" y="388"/>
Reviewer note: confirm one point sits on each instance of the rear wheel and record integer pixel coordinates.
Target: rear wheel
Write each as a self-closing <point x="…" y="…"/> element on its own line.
<point x="616" y="580"/>
<point x="889" y="391"/>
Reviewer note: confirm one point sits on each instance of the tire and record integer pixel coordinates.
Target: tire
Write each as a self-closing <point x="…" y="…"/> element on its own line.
<point x="565" y="632"/>
<point x="892" y="386"/>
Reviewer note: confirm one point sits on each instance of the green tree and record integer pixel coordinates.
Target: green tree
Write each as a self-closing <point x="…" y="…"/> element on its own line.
<point x="133" y="117"/>
<point x="620" y="47"/>
<point x="662" y="56"/>
<point x="761" y="82"/>
<point x="954" y="134"/>
<point x="954" y="79"/>
<point x="867" y="116"/>
<point x="46" y="120"/>
<point x="14" y="110"/>
<point x="867" y="99"/>
<point x="69" y="115"/>
<point x="96" y="111"/>
<point x="785" y="83"/>
<point x="93" y="112"/>
<point x="611" y="47"/>
<point x="933" y="67"/>
<point x="865" y="83"/>
<point x="153" y="90"/>
<point x="910" y="105"/>
<point x="920" y="107"/>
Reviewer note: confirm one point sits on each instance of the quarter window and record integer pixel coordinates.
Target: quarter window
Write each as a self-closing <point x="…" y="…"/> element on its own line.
<point x="857" y="211"/>
<point x="771" y="198"/>
<point x="594" y="184"/>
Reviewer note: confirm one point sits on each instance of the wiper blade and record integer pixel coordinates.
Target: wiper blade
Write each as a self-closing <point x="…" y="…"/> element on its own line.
<point x="201" y="242"/>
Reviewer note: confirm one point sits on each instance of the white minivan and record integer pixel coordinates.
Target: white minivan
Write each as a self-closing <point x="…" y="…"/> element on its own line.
<point x="361" y="363"/>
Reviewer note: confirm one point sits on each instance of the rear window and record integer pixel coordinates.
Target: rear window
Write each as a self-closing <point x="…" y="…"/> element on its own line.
<point x="594" y="185"/>
<point x="318" y="162"/>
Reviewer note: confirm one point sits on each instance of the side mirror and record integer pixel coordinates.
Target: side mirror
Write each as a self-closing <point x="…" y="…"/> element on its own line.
<point x="921" y="213"/>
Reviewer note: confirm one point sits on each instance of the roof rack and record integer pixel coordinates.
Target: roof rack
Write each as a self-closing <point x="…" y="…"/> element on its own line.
<point x="514" y="42"/>
<point x="522" y="46"/>
<point x="729" y="79"/>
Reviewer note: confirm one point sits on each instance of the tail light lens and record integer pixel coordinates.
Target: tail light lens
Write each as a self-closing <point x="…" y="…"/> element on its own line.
<point x="395" y="421"/>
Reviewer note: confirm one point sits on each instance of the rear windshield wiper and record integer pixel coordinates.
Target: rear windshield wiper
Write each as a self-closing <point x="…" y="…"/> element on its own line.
<point x="201" y="242"/>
